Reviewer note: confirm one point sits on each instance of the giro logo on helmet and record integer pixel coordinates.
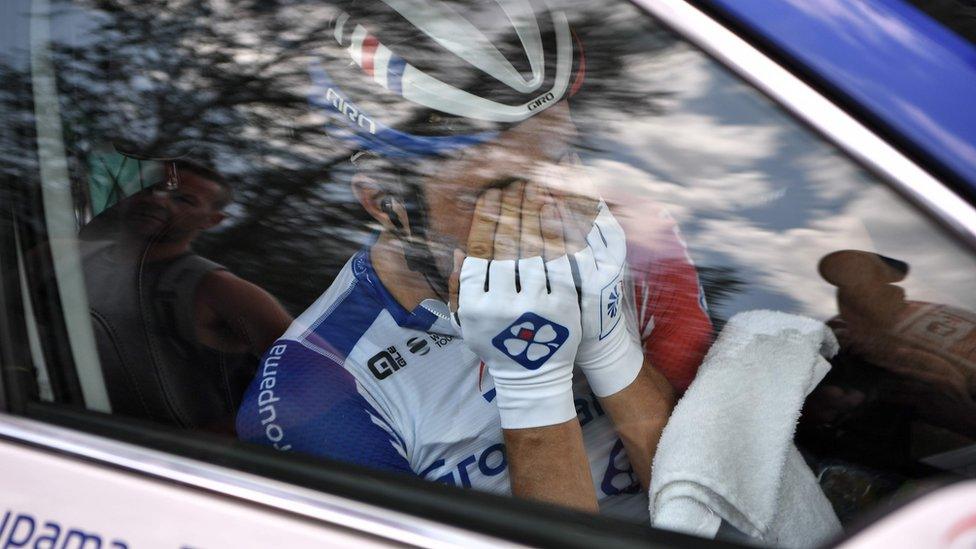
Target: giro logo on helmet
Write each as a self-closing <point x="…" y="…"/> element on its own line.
<point x="541" y="101"/>
<point x="531" y="340"/>
<point x="350" y="110"/>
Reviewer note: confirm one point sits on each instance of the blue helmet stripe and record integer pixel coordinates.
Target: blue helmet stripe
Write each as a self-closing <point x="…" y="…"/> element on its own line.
<point x="394" y="74"/>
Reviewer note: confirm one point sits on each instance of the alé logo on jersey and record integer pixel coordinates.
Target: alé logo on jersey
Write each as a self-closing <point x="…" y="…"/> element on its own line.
<point x="386" y="362"/>
<point x="531" y="340"/>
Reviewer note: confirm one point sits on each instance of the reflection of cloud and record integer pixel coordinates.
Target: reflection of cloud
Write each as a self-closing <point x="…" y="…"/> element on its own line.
<point x="677" y="145"/>
<point x="726" y="192"/>
<point x="941" y="270"/>
<point x="676" y="141"/>
<point x="830" y="175"/>
<point x="785" y="261"/>
<point x="724" y="161"/>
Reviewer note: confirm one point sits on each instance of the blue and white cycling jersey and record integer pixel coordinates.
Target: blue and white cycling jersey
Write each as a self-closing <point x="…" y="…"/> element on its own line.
<point x="358" y="378"/>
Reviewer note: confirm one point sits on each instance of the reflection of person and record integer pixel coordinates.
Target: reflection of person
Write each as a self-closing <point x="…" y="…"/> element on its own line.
<point x="930" y="349"/>
<point x="169" y="322"/>
<point x="373" y="372"/>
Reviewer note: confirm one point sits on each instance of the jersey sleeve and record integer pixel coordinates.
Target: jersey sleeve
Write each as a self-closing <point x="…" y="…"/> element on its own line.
<point x="303" y="401"/>
<point x="675" y="329"/>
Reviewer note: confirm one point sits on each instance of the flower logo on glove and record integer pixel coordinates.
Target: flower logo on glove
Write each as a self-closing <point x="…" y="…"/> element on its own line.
<point x="531" y="340"/>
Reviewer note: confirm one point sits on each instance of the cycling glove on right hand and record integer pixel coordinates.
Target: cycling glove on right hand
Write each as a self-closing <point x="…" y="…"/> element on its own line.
<point x="522" y="318"/>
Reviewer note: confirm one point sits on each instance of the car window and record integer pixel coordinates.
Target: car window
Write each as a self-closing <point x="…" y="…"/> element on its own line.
<point x="290" y="225"/>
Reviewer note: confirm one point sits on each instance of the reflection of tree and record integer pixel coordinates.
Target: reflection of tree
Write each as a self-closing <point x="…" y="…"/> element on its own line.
<point x="16" y="168"/>
<point x="619" y="46"/>
<point x="227" y="87"/>
<point x="719" y="284"/>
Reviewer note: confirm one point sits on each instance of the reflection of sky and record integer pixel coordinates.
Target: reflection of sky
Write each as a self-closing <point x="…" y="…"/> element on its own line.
<point x="755" y="192"/>
<point x="14" y="25"/>
<point x="885" y="54"/>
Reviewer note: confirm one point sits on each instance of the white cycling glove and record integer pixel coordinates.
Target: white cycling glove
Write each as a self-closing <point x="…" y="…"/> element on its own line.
<point x="609" y="355"/>
<point x="527" y="334"/>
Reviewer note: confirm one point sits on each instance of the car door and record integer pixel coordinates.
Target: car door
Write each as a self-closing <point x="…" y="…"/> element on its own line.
<point x="739" y="185"/>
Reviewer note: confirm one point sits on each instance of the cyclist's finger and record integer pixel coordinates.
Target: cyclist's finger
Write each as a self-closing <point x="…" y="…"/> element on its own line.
<point x="482" y="233"/>
<point x="573" y="228"/>
<point x="530" y="243"/>
<point x="552" y="232"/>
<point x="568" y="181"/>
<point x="585" y="199"/>
<point x="584" y="210"/>
<point x="507" y="231"/>
<point x="454" y="282"/>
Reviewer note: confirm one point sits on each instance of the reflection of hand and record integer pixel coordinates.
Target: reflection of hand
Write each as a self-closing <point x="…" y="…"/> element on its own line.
<point x="877" y="341"/>
<point x="938" y="389"/>
<point x="516" y="305"/>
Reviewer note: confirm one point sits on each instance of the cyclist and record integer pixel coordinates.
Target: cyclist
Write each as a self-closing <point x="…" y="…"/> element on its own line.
<point x="459" y="153"/>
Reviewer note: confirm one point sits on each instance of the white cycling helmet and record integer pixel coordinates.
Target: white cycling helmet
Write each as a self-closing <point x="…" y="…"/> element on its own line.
<point x="405" y="78"/>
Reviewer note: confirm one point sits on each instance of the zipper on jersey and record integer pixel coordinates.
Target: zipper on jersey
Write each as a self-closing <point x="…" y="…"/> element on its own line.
<point x="438" y="314"/>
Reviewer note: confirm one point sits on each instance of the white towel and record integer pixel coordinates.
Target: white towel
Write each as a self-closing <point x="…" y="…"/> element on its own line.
<point x="727" y="451"/>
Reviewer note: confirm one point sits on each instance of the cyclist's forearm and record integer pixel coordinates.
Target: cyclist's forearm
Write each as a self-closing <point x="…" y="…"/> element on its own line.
<point x="549" y="464"/>
<point x="639" y="413"/>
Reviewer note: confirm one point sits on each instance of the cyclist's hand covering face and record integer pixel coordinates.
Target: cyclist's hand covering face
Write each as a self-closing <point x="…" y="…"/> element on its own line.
<point x="521" y="221"/>
<point x="577" y="198"/>
<point x="453" y="186"/>
<point x="610" y="354"/>
<point x="515" y="304"/>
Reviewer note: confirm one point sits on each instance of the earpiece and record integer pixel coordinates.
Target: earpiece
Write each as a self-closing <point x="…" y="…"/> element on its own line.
<point x="418" y="255"/>
<point x="387" y="206"/>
